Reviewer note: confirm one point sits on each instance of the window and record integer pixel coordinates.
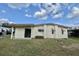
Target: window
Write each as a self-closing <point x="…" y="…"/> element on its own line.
<point x="53" y="31"/>
<point x="40" y="30"/>
<point x="62" y="31"/>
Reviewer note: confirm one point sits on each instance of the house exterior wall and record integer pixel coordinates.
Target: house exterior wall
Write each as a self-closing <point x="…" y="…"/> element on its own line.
<point x="58" y="33"/>
<point x="48" y="31"/>
<point x="19" y="32"/>
<point x="35" y="31"/>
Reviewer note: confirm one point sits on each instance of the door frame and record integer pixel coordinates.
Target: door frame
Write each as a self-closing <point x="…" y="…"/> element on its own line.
<point x="30" y="33"/>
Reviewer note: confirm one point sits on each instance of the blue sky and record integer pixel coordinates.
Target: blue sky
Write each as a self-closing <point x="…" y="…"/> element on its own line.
<point x="35" y="13"/>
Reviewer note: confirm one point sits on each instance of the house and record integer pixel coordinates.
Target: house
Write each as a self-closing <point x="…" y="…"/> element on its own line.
<point x="28" y="31"/>
<point x="74" y="31"/>
<point x="4" y="30"/>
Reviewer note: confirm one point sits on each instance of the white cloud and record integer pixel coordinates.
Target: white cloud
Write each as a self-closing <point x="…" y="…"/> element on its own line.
<point x="23" y="5"/>
<point x="28" y="15"/>
<point x="69" y="16"/>
<point x="45" y="9"/>
<point x="59" y="15"/>
<point x="11" y="22"/>
<point x="3" y="20"/>
<point x="41" y="14"/>
<point x="52" y="7"/>
<point x="74" y="13"/>
<point x="43" y="18"/>
<point x="18" y="5"/>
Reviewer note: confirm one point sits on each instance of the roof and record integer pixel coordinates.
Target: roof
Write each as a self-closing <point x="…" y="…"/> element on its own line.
<point x="21" y="25"/>
<point x="53" y="24"/>
<point x="32" y="25"/>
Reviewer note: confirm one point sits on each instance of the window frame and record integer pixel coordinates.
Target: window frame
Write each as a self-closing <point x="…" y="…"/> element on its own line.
<point x="40" y="30"/>
<point x="53" y="31"/>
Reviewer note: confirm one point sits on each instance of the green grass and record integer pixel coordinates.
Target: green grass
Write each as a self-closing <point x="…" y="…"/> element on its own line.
<point x="38" y="47"/>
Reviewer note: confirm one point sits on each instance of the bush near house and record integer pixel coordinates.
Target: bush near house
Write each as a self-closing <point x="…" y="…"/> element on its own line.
<point x="39" y="47"/>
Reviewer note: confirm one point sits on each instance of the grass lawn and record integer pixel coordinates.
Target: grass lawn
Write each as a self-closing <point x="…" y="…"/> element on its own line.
<point x="39" y="47"/>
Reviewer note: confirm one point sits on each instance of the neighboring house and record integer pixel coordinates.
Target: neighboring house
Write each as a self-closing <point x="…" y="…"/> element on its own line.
<point x="28" y="31"/>
<point x="5" y="30"/>
<point x="74" y="31"/>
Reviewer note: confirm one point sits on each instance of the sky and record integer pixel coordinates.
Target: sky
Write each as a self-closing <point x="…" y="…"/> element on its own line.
<point x="39" y="13"/>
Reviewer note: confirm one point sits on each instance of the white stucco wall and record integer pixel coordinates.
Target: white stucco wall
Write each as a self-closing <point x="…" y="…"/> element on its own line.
<point x="48" y="31"/>
<point x="19" y="33"/>
<point x="35" y="32"/>
<point x="58" y="33"/>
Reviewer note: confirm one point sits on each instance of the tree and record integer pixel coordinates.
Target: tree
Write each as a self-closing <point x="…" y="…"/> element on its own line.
<point x="5" y="24"/>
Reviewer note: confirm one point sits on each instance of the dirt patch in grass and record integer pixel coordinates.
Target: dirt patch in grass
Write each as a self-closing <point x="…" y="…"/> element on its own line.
<point x="72" y="46"/>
